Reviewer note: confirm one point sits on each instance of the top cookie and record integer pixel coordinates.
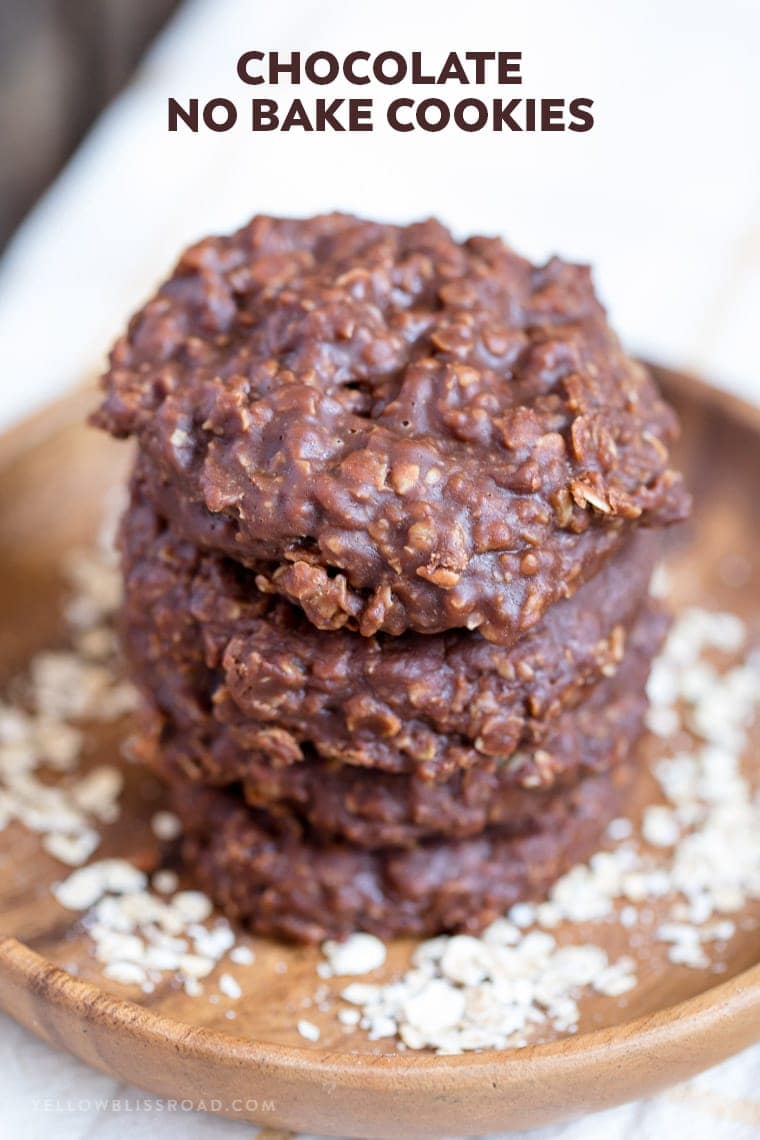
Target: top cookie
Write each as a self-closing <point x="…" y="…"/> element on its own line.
<point x="399" y="431"/>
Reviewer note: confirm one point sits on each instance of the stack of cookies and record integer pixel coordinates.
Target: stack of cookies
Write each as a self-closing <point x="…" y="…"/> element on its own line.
<point x="393" y="517"/>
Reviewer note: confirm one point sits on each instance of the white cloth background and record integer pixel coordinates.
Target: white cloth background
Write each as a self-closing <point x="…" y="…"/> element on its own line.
<point x="662" y="196"/>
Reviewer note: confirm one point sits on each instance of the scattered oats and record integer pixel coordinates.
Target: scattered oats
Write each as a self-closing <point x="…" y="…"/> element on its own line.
<point x="195" y="965"/>
<point x="382" y="1027"/>
<point x="151" y="933"/>
<point x="437" y="1006"/>
<point x="89" y="884"/>
<point x="660" y="826"/>
<point x="63" y="685"/>
<point x="242" y="955"/>
<point x="502" y="932"/>
<point x="678" y="932"/>
<point x="126" y="973"/>
<point x="411" y="1038"/>
<point x="96" y="644"/>
<point x="629" y="916"/>
<point x="98" y="792"/>
<point x="95" y="579"/>
<point x="548" y="915"/>
<point x="14" y="725"/>
<point x="662" y="720"/>
<point x="71" y="849"/>
<point x="212" y="943"/>
<point x="465" y="993"/>
<point x="161" y="958"/>
<point x="720" y="932"/>
<point x="192" y="906"/>
<point x="308" y="1030"/>
<point x="360" y="993"/>
<point x="57" y="743"/>
<point x="688" y="954"/>
<point x="697" y="681"/>
<point x="230" y="987"/>
<point x="63" y="811"/>
<point x="138" y="936"/>
<point x="166" y="826"/>
<point x="613" y="981"/>
<point x="230" y="1015"/>
<point x="619" y="829"/>
<point x="113" y="945"/>
<point x="660" y="584"/>
<point x="359" y="954"/>
<point x="349" y="1016"/>
<point x="727" y="899"/>
<point x="580" y="897"/>
<point x="662" y="684"/>
<point x="140" y="907"/>
<point x="67" y="686"/>
<point x="523" y="914"/>
<point x="466" y="960"/>
<point x="723" y="631"/>
<point x="429" y="953"/>
<point x="165" y="882"/>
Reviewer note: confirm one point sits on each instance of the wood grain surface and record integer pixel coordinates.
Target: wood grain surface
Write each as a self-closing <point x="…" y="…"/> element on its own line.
<point x="53" y="476"/>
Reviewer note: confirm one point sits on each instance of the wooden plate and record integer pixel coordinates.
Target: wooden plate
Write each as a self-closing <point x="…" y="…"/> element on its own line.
<point x="676" y="1022"/>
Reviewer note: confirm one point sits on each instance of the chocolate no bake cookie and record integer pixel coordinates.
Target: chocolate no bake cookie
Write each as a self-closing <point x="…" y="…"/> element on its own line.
<point x="377" y="809"/>
<point x="237" y="674"/>
<point x="393" y="518"/>
<point x="394" y="430"/>
<point x="280" y="880"/>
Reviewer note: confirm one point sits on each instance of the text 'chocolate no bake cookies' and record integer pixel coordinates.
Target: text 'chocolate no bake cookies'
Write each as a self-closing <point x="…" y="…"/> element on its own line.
<point x="393" y="517"/>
